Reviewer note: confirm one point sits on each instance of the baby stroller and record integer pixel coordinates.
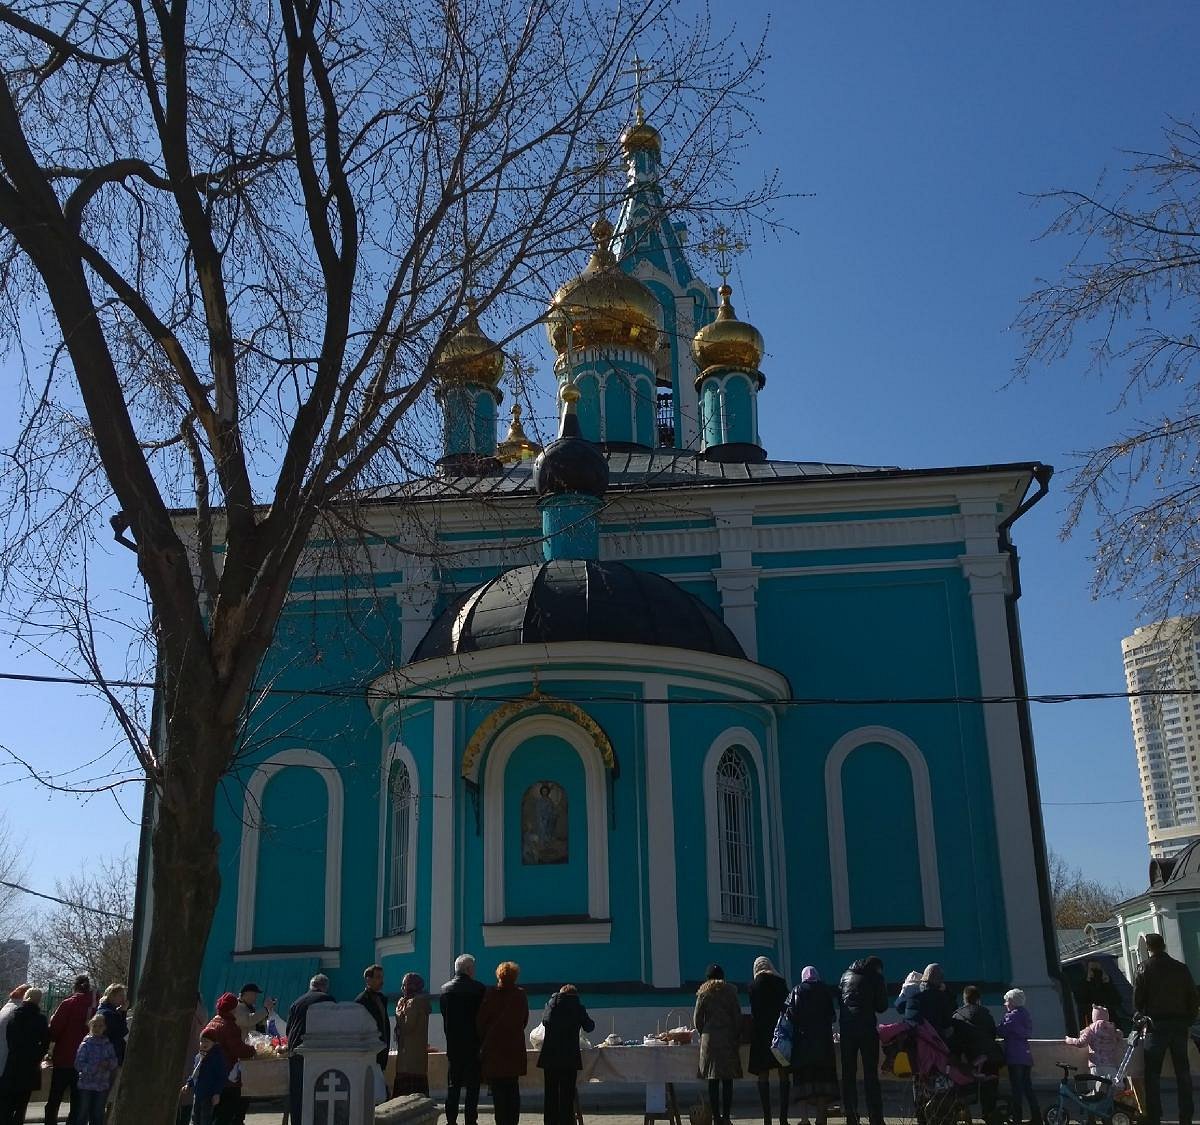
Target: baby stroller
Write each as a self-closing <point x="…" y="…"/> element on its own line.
<point x="941" y="1085"/>
<point x="1094" y="1096"/>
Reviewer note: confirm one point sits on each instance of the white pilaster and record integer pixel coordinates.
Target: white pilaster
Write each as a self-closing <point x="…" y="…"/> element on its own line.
<point x="660" y="840"/>
<point x="441" y="890"/>
<point x="737" y="576"/>
<point x="990" y="582"/>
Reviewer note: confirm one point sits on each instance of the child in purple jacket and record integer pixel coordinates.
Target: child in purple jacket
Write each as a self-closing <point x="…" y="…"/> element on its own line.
<point x="1016" y="1029"/>
<point x="95" y="1067"/>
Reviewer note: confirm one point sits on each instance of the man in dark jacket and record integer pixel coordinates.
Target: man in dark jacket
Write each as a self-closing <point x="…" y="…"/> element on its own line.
<point x="460" y="1000"/>
<point x="297" y="1024"/>
<point x="1165" y="991"/>
<point x="564" y="1018"/>
<point x="975" y="1037"/>
<point x="373" y="999"/>
<point x="68" y="1027"/>
<point x="863" y="996"/>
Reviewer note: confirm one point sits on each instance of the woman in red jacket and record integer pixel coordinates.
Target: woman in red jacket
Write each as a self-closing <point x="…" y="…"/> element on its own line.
<point x="502" y="1017"/>
<point x="224" y="1031"/>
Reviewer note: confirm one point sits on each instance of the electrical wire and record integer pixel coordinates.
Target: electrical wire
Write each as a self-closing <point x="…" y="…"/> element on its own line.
<point x="63" y="901"/>
<point x="357" y="691"/>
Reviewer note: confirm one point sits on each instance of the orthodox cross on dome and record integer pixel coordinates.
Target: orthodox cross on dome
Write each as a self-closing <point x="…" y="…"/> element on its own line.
<point x="722" y="248"/>
<point x="601" y="169"/>
<point x="637" y="70"/>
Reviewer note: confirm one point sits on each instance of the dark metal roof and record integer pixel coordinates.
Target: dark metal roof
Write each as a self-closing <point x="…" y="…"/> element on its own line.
<point x="1175" y="876"/>
<point x="667" y="468"/>
<point x="576" y="600"/>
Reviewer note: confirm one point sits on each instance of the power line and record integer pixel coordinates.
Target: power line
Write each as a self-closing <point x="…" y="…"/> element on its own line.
<point x="358" y="691"/>
<point x="64" y="902"/>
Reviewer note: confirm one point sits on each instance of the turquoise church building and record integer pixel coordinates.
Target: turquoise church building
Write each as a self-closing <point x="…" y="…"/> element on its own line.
<point x="646" y="699"/>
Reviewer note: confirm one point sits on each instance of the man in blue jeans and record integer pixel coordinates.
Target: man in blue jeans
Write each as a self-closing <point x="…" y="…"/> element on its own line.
<point x="297" y="1025"/>
<point x="863" y="996"/>
<point x="1164" y="990"/>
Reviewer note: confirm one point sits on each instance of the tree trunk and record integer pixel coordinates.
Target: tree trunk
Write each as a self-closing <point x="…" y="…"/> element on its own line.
<point x="186" y="883"/>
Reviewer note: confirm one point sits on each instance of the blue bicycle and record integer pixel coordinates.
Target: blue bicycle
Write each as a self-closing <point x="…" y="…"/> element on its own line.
<point x="1094" y="1097"/>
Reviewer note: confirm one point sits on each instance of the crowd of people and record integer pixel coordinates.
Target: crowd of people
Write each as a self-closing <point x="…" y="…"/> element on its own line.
<point x="83" y="1041"/>
<point x="797" y="1037"/>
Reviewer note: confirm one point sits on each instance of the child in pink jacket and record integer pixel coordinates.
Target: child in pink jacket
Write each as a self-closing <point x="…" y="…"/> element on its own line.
<point x="1104" y="1044"/>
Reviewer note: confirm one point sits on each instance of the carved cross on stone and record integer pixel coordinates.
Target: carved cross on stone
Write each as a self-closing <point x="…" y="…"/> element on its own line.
<point x="331" y="1099"/>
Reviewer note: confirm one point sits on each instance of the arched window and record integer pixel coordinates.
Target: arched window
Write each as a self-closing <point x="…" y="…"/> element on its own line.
<point x="403" y="814"/>
<point x="735" y="839"/>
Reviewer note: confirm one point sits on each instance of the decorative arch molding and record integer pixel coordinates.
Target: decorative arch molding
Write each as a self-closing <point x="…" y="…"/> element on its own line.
<point x="472" y="758"/>
<point x="252" y="829"/>
<point x="719" y="928"/>
<point x="594" y="764"/>
<point x="839" y="869"/>
<point x="393" y="753"/>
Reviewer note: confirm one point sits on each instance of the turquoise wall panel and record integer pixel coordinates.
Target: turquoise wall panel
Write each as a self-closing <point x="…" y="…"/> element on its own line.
<point x="291" y="854"/>
<point x="534" y="890"/>
<point x="739" y="410"/>
<point x="884" y="867"/>
<point x="618" y="406"/>
<point x="484" y="423"/>
<point x="644" y="407"/>
<point x="588" y="409"/>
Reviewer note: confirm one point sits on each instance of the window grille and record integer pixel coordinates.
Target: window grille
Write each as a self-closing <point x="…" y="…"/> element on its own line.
<point x="665" y="420"/>
<point x="735" y="836"/>
<point x="403" y="820"/>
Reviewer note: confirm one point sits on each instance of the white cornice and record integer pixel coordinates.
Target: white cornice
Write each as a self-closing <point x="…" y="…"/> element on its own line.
<point x="743" y="680"/>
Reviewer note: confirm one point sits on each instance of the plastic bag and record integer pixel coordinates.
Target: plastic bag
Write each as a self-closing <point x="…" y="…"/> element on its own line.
<point x="537" y="1036"/>
<point x="782" y="1039"/>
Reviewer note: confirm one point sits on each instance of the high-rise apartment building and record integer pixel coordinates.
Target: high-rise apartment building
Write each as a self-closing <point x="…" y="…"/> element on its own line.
<point x="1165" y="656"/>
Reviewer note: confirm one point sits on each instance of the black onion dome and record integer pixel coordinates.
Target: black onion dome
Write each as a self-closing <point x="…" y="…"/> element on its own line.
<point x="577" y="600"/>
<point x="570" y="463"/>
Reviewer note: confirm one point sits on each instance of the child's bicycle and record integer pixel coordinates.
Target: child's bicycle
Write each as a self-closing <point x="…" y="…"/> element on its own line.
<point x="1093" y="1097"/>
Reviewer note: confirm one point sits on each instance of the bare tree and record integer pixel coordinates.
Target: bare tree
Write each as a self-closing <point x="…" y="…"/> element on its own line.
<point x="245" y="230"/>
<point x="1078" y="899"/>
<point x="91" y="929"/>
<point x="13" y="867"/>
<point x="1129" y="296"/>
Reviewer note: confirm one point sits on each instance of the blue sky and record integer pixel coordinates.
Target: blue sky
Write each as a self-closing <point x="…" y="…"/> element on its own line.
<point x="917" y="132"/>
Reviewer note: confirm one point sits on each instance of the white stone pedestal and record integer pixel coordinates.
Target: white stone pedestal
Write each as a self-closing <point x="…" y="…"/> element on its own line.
<point x="339" y="1049"/>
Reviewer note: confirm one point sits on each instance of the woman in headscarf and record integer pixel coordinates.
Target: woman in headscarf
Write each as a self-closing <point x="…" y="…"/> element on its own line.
<point x="718" y="1018"/>
<point x="412" y="1037"/>
<point x="814" y="1065"/>
<point x="768" y="993"/>
<point x="931" y="1004"/>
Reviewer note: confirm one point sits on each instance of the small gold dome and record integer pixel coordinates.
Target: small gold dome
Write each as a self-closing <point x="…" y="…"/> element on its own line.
<point x="603" y="305"/>
<point x="728" y="342"/>
<point x="641" y="137"/>
<point x="469" y="356"/>
<point x="517" y="446"/>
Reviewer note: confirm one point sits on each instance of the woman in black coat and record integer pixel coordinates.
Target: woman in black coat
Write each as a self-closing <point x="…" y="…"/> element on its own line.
<point x="564" y="1018"/>
<point x="814" y="1066"/>
<point x="768" y="993"/>
<point x="28" y="1037"/>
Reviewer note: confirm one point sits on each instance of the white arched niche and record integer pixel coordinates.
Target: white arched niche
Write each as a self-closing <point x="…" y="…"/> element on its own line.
<point x="839" y="868"/>
<point x="252" y="830"/>
<point x="598" y="927"/>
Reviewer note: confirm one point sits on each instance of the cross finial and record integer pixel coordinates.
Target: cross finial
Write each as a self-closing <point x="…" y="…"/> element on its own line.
<point x="637" y="68"/>
<point x="601" y="168"/>
<point x="722" y="247"/>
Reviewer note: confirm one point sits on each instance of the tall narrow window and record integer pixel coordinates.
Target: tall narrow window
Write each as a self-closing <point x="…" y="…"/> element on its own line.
<point x="735" y="839"/>
<point x="400" y="888"/>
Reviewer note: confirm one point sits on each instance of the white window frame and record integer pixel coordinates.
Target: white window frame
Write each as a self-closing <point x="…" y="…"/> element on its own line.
<point x="839" y="868"/>
<point x="720" y="929"/>
<point x="398" y="755"/>
<point x="252" y="831"/>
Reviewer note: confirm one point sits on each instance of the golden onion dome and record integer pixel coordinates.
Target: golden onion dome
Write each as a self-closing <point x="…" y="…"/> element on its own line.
<point x="728" y="342"/>
<point x="517" y="445"/>
<point x="603" y="305"/>
<point x="469" y="356"/>
<point x="641" y="137"/>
